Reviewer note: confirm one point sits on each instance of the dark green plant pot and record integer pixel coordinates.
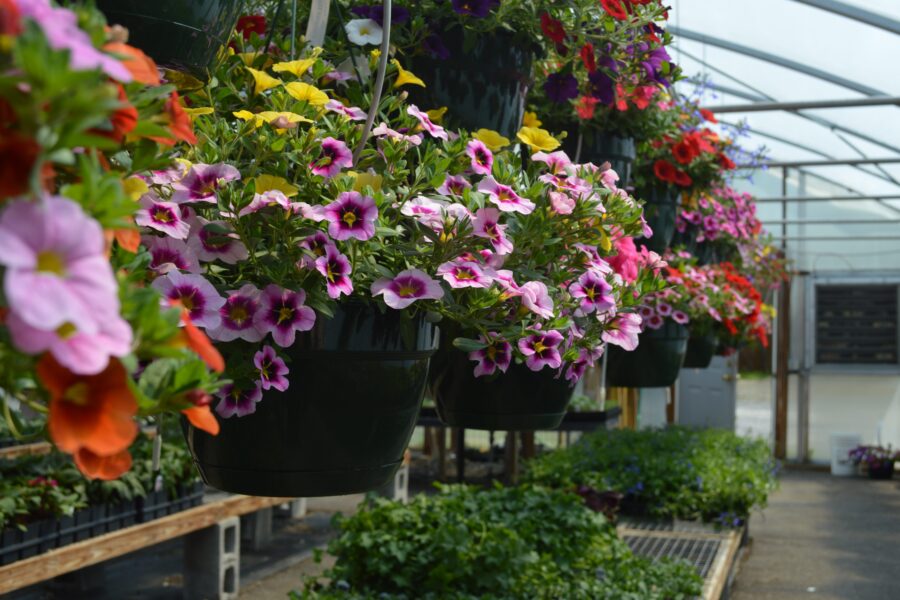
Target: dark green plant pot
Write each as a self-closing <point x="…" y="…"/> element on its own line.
<point x="357" y="382"/>
<point x="483" y="83"/>
<point x="654" y="363"/>
<point x="705" y="252"/>
<point x="518" y="400"/>
<point x="883" y="470"/>
<point x="700" y="351"/>
<point x="183" y="34"/>
<point x="660" y="210"/>
<point x="599" y="147"/>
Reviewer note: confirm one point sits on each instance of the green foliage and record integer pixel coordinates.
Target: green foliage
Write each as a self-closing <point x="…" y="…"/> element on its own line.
<point x="710" y="474"/>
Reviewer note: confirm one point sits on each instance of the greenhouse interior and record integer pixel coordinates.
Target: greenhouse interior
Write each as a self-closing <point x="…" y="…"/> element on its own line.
<point x="449" y="299"/>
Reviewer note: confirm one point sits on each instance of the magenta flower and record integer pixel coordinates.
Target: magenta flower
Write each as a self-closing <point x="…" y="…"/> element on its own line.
<point x="482" y="158"/>
<point x="497" y="355"/>
<point x="350" y="112"/>
<point x="426" y="123"/>
<point x="680" y="317"/>
<point x="195" y="294"/>
<point x="352" y="215"/>
<point x="558" y="161"/>
<point x="202" y="182"/>
<point x="537" y="299"/>
<point x="425" y="210"/>
<point x="161" y="216"/>
<point x="56" y="270"/>
<point x="585" y="359"/>
<point x="272" y="198"/>
<point x="282" y="313"/>
<point x="167" y="254"/>
<point x="511" y="289"/>
<point x="317" y="244"/>
<point x="541" y="349"/>
<point x="623" y="331"/>
<point x="238" y="316"/>
<point x="593" y="260"/>
<point x="463" y="274"/>
<point x="594" y="292"/>
<point x="235" y="401"/>
<point x="486" y="225"/>
<point x="272" y="369"/>
<point x="213" y="240"/>
<point x="561" y="203"/>
<point x="335" y="268"/>
<point x="454" y="185"/>
<point x="654" y="321"/>
<point x="664" y="309"/>
<point x="407" y="287"/>
<point x="384" y="131"/>
<point x="505" y="197"/>
<point x="335" y="156"/>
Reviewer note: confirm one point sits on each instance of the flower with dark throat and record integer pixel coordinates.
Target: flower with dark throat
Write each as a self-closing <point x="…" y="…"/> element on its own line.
<point x="497" y="355"/>
<point x="541" y="349"/>
<point x="238" y="401"/>
<point x="238" y="316"/>
<point x="272" y="369"/>
<point x="195" y="294"/>
<point x="334" y="157"/>
<point x="407" y="287"/>
<point x="282" y="313"/>
<point x="352" y="215"/>
<point x="335" y="268"/>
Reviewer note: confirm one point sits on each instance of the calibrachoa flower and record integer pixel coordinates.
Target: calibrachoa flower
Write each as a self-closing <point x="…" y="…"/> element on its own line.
<point x="537" y="299"/>
<point x="213" y="240"/>
<point x="482" y="158"/>
<point x="558" y="161"/>
<point x="426" y="123"/>
<point x="195" y="294"/>
<point x="680" y="317"/>
<point x="505" y="197"/>
<point x="562" y="204"/>
<point x="425" y="210"/>
<point x="384" y="131"/>
<point x="335" y="268"/>
<point x="585" y="359"/>
<point x="462" y="274"/>
<point x="282" y="313"/>
<point x="238" y="316"/>
<point x="235" y="401"/>
<point x="407" y="287"/>
<point x="496" y="355"/>
<point x="486" y="225"/>
<point x="454" y="185"/>
<point x="56" y="270"/>
<point x="542" y="350"/>
<point x="318" y="243"/>
<point x="351" y="112"/>
<point x="335" y="156"/>
<point x="167" y="254"/>
<point x="474" y="8"/>
<point x="624" y="330"/>
<point x="352" y="215"/>
<point x="202" y="181"/>
<point x="594" y="292"/>
<point x="271" y="198"/>
<point x="272" y="369"/>
<point x="363" y="31"/>
<point x="161" y="216"/>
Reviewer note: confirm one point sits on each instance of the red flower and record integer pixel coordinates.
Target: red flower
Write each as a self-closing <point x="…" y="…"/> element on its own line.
<point x="179" y="124"/>
<point x="684" y="152"/>
<point x="141" y="66"/>
<point x="18" y="155"/>
<point x="106" y="468"/>
<point x="250" y="24"/>
<point x="682" y="179"/>
<point x="585" y="107"/>
<point x="10" y="18"/>
<point x="615" y="9"/>
<point x="588" y="58"/>
<point x="726" y="162"/>
<point x="708" y="115"/>
<point x="664" y="171"/>
<point x="123" y="120"/>
<point x="552" y="28"/>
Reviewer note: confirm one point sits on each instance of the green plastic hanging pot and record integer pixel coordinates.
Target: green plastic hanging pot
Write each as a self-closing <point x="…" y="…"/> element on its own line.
<point x="700" y="351"/>
<point x="660" y="210"/>
<point x="705" y="252"/>
<point x="182" y="34"/>
<point x="483" y="82"/>
<point x="356" y="387"/>
<point x="654" y="363"/>
<point x="598" y="147"/>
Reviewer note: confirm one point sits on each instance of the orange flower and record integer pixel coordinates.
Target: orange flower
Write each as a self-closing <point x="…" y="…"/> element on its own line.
<point x="179" y="124"/>
<point x="18" y="155"/>
<point x="202" y="418"/>
<point x="10" y="18"/>
<point x="197" y="341"/>
<point x="94" y="466"/>
<point x="93" y="412"/>
<point x="141" y="66"/>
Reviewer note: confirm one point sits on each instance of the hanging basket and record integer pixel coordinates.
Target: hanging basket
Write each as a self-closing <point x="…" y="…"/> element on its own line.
<point x="700" y="351"/>
<point x="182" y="34"/>
<point x="660" y="209"/>
<point x="357" y="382"/>
<point x="705" y="252"/>
<point x="654" y="363"/>
<point x="598" y="147"/>
<point x="518" y="400"/>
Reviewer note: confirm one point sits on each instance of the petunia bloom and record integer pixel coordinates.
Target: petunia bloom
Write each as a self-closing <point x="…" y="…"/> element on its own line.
<point x="505" y="197"/>
<point x="317" y="244"/>
<point x="335" y="268"/>
<point x="363" y="31"/>
<point x="167" y="254"/>
<point x="352" y="215"/>
<point x="463" y="274"/>
<point x="474" y="8"/>
<point x="594" y="292"/>
<point x="493" y="140"/>
<point x="272" y="369"/>
<point x="237" y="401"/>
<point x="482" y="158"/>
<point x="350" y="112"/>
<point x="561" y="87"/>
<point x="407" y="287"/>
<point x="454" y="185"/>
<point x="238" y="316"/>
<point x="536" y="298"/>
<point x="497" y="355"/>
<point x="105" y="468"/>
<point x="202" y="181"/>
<point x="426" y="123"/>
<point x="162" y="216"/>
<point x="195" y="294"/>
<point x="425" y="210"/>
<point x="487" y="225"/>
<point x="623" y="331"/>
<point x="541" y="349"/>
<point x="334" y="157"/>
<point x="282" y="313"/>
<point x="384" y="131"/>
<point x="537" y="139"/>
<point x="212" y="240"/>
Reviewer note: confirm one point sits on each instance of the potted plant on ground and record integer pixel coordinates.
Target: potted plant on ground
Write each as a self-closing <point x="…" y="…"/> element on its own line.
<point x="877" y="460"/>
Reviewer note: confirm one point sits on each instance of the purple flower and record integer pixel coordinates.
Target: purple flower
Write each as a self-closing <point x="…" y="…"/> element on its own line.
<point x="235" y="401"/>
<point x="335" y="156"/>
<point x="161" y="216"/>
<point x="238" y="316"/>
<point x="425" y="210"/>
<point x="282" y="313"/>
<point x="680" y="317"/>
<point x="463" y="274"/>
<point x="497" y="355"/>
<point x="399" y="15"/>
<point x="454" y="185"/>
<point x="505" y="197"/>
<point x="561" y="87"/>
<point x="384" y="131"/>
<point x="56" y="270"/>
<point x="202" y="181"/>
<point x="426" y="123"/>
<point x="335" y="268"/>
<point x="653" y="62"/>
<point x="537" y="299"/>
<point x="474" y="8"/>
<point x="407" y="287"/>
<point x="213" y="240"/>
<point x="318" y="244"/>
<point x="351" y="112"/>
<point x="167" y="254"/>
<point x="585" y="359"/>
<point x="272" y="198"/>
<point x="487" y="225"/>
<point x="195" y="294"/>
<point x="434" y="46"/>
<point x="593" y="260"/>
<point x="352" y="215"/>
<point x="603" y="87"/>
<point x="623" y="331"/>
<point x="482" y="158"/>
<point x="654" y="321"/>
<point x="542" y="350"/>
<point x="594" y="292"/>
<point x="272" y="369"/>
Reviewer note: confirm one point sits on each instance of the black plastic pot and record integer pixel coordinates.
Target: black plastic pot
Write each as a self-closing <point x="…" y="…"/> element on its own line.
<point x="882" y="470"/>
<point x="357" y="382"/>
<point x="705" y="252"/>
<point x="518" y="400"/>
<point x="599" y="147"/>
<point x="483" y="82"/>
<point x="654" y="363"/>
<point x="660" y="210"/>
<point x="161" y="503"/>
<point x="36" y="538"/>
<point x="184" y="34"/>
<point x="700" y="351"/>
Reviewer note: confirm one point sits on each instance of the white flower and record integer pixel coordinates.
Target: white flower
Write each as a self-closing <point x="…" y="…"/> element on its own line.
<point x="364" y="31"/>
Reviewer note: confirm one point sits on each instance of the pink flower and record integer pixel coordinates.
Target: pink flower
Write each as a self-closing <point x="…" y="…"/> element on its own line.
<point x="352" y="215"/>
<point x="497" y="355"/>
<point x="238" y="316"/>
<point x="558" y="161"/>
<point x="201" y="183"/>
<point x="593" y="258"/>
<point x="317" y="244"/>
<point x="334" y="157"/>
<point x="195" y="294"/>
<point x="504" y="278"/>
<point x="623" y="331"/>
<point x="561" y="203"/>
<point x="237" y="401"/>
<point x="536" y="298"/>
<point x="407" y="287"/>
<point x="212" y="240"/>
<point x="454" y="185"/>
<point x="463" y="274"/>
<point x="384" y="131"/>
<point x="425" y="210"/>
<point x="482" y="158"/>
<point x="426" y="123"/>
<point x="594" y="292"/>
<point x="664" y="309"/>
<point x="627" y="259"/>
<point x="167" y="254"/>
<point x="272" y="369"/>
<point x="272" y="198"/>
<point x="486" y="225"/>
<point x="505" y="197"/>
<point x="282" y="313"/>
<point x="680" y="317"/>
<point x="541" y="349"/>
<point x="655" y="321"/>
<point x="350" y="112"/>
<point x="335" y="268"/>
<point x="585" y="359"/>
<point x="161" y="216"/>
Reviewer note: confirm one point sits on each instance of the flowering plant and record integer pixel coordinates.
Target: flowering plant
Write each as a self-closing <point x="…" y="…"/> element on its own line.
<point x="875" y="457"/>
<point x="748" y="318"/>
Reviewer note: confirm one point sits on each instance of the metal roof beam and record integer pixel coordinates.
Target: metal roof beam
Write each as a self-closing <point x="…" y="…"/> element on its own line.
<point x="856" y="13"/>
<point x="838" y="238"/>
<point x="828" y="222"/>
<point x="827" y="198"/>
<point x="832" y="162"/>
<point x="808" y="105"/>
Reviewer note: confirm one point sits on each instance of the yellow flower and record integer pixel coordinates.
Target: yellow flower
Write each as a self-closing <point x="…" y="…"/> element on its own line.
<point x="182" y="81"/>
<point x="436" y="114"/>
<point x="538" y="139"/>
<point x="267" y="116"/>
<point x="202" y="110"/>
<point x="298" y="67"/>
<point x="135" y="187"/>
<point x="490" y="138"/>
<point x="605" y="242"/>
<point x="361" y="180"/>
<point x="265" y="183"/>
<point x="306" y="93"/>
<point x="263" y="80"/>
<point x="405" y="77"/>
<point x="531" y="120"/>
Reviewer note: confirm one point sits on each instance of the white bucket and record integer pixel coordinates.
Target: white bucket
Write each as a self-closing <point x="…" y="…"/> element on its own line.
<point x="841" y="445"/>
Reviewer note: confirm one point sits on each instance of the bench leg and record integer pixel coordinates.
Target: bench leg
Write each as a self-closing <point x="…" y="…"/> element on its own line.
<point x="256" y="529"/>
<point x="298" y="508"/>
<point x="212" y="562"/>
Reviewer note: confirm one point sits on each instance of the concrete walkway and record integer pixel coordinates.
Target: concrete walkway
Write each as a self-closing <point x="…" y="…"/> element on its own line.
<point x="822" y="538"/>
